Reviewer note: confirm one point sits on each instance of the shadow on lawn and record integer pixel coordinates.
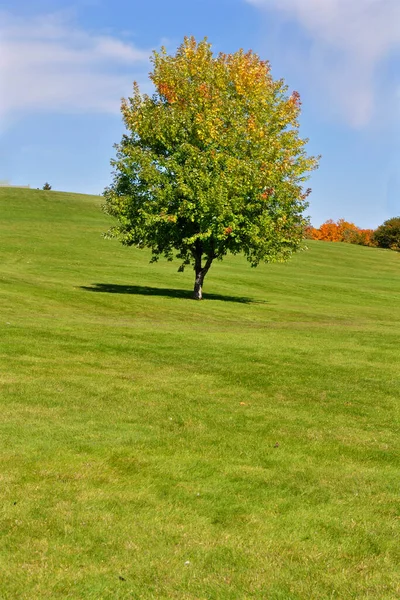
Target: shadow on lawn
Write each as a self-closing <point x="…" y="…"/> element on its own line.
<point x="144" y="290"/>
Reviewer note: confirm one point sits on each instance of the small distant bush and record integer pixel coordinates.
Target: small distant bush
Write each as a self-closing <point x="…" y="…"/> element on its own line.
<point x="388" y="234"/>
<point x="46" y="186"/>
<point x="362" y="237"/>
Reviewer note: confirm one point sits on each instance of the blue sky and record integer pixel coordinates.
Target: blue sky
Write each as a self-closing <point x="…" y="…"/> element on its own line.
<point x="64" y="66"/>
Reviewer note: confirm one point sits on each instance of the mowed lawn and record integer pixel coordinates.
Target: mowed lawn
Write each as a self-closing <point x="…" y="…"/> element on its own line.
<point x="246" y="446"/>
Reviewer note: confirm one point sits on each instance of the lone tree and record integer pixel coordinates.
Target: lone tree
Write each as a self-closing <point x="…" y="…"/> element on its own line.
<point x="46" y="186"/>
<point x="211" y="163"/>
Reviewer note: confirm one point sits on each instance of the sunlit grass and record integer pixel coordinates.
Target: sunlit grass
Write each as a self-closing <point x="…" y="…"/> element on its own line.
<point x="152" y="446"/>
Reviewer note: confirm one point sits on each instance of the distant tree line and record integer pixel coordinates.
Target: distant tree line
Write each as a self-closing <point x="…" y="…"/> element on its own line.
<point x="386" y="235"/>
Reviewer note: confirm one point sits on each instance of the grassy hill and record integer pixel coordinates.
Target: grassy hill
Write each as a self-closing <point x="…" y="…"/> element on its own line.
<point x="245" y="446"/>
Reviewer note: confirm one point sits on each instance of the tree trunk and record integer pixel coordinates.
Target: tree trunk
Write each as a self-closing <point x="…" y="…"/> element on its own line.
<point x="198" y="285"/>
<point x="200" y="272"/>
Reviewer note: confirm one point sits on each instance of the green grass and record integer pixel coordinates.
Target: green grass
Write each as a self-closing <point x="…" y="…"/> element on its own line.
<point x="241" y="447"/>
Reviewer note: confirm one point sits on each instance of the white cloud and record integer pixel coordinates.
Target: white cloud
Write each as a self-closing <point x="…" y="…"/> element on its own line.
<point x="47" y="64"/>
<point x="349" y="41"/>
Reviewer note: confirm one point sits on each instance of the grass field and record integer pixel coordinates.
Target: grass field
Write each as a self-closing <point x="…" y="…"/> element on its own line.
<point x="246" y="446"/>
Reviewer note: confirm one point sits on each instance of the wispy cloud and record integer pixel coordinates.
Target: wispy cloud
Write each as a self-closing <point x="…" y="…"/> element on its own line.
<point x="48" y="64"/>
<point x="350" y="39"/>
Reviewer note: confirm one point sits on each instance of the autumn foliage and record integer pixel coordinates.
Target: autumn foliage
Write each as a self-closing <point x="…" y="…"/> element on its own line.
<point x="342" y="231"/>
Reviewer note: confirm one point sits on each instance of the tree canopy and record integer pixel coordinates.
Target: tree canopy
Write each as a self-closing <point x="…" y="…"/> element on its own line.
<point x="211" y="163"/>
<point x="388" y="234"/>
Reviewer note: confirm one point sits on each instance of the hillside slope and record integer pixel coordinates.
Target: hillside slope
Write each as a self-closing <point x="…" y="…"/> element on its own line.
<point x="245" y="446"/>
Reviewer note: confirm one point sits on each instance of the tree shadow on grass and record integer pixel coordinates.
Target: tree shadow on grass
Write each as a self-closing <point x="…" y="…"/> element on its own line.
<point x="144" y="290"/>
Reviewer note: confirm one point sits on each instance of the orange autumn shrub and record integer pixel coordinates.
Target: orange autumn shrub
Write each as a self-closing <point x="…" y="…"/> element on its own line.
<point x="309" y="232"/>
<point x="341" y="231"/>
<point x="363" y="237"/>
